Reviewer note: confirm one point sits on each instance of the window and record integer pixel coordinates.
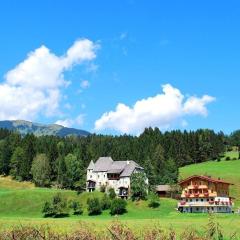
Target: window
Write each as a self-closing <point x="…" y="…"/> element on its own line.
<point x="197" y="200"/>
<point x="190" y="200"/>
<point x="90" y="176"/>
<point x="201" y="200"/>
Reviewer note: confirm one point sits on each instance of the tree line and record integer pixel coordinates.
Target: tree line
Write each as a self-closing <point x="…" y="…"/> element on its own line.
<point x="62" y="162"/>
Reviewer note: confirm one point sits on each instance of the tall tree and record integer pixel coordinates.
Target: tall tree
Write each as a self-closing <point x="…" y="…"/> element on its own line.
<point x="73" y="171"/>
<point x="41" y="170"/>
<point x="16" y="163"/>
<point x="29" y="147"/>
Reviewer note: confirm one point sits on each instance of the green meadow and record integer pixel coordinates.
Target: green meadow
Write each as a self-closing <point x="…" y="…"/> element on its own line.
<point x="21" y="203"/>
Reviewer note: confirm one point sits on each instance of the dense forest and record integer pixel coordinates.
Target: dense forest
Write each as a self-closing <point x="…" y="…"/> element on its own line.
<point x="62" y="162"/>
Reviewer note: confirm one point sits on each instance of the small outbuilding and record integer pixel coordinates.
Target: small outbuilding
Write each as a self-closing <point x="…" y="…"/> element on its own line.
<point x="164" y="190"/>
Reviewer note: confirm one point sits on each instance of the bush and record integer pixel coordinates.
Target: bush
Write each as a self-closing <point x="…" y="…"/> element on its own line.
<point x="76" y="207"/>
<point x="228" y="158"/>
<point x="47" y="209"/>
<point x="111" y="193"/>
<point x="105" y="202"/>
<point x="57" y="208"/>
<point x="154" y="201"/>
<point x="94" y="206"/>
<point x="118" y="206"/>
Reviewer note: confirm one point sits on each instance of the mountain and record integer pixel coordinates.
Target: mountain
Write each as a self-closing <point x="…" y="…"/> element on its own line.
<point x="38" y="129"/>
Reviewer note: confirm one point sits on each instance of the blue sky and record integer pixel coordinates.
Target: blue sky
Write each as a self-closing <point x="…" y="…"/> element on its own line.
<point x="136" y="49"/>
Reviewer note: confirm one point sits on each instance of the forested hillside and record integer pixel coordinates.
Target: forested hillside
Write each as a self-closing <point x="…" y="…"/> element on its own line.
<point x="51" y="160"/>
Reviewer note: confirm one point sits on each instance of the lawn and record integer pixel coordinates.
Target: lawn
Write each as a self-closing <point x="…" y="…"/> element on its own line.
<point x="22" y="203"/>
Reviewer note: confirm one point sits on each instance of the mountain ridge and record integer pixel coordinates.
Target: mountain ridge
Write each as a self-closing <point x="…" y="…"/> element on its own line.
<point x="39" y="129"/>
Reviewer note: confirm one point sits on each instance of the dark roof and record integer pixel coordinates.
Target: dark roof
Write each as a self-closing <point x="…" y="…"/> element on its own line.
<point x="163" y="188"/>
<point x="210" y="179"/>
<point x="124" y="168"/>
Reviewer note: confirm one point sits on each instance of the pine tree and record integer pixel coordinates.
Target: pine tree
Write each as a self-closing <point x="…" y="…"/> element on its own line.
<point x="17" y="160"/>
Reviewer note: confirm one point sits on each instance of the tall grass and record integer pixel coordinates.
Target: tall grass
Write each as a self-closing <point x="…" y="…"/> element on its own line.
<point x="117" y="231"/>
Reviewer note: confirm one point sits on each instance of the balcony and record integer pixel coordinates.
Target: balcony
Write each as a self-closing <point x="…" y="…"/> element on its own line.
<point x="187" y="195"/>
<point x="206" y="194"/>
<point x="204" y="204"/>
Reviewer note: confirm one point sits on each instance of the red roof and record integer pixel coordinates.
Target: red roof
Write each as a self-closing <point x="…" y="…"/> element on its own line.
<point x="205" y="178"/>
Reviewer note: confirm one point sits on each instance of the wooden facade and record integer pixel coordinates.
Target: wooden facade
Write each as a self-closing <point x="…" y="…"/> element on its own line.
<point x="205" y="194"/>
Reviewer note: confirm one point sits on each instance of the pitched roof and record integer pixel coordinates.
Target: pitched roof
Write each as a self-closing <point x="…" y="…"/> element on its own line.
<point x="103" y="164"/>
<point x="129" y="168"/>
<point x="91" y="165"/>
<point x="163" y="188"/>
<point x="117" y="167"/>
<point x="124" y="168"/>
<point x="210" y="179"/>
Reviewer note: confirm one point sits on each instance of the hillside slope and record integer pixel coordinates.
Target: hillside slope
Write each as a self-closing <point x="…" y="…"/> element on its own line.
<point x="227" y="170"/>
<point x="37" y="129"/>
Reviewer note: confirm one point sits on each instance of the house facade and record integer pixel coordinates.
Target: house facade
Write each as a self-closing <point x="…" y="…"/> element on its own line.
<point x="205" y="194"/>
<point x="107" y="173"/>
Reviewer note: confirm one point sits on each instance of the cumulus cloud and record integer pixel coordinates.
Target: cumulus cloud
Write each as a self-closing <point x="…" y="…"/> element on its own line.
<point x="69" y="122"/>
<point x="161" y="111"/>
<point x="34" y="86"/>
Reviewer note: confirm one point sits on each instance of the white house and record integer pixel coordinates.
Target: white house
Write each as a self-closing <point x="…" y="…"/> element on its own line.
<point x="112" y="174"/>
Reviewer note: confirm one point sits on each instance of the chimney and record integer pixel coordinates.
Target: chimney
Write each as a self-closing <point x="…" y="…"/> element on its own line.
<point x="128" y="161"/>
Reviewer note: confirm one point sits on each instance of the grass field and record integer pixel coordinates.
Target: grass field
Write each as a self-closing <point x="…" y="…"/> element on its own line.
<point x="22" y="203"/>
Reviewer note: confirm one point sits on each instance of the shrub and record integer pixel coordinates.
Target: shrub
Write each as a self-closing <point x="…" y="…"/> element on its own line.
<point x="118" y="206"/>
<point x="154" y="201"/>
<point x="105" y="202"/>
<point x="47" y="209"/>
<point x="227" y="158"/>
<point x="94" y="206"/>
<point x="111" y="193"/>
<point x="76" y="207"/>
<point x="234" y="158"/>
<point x="57" y="208"/>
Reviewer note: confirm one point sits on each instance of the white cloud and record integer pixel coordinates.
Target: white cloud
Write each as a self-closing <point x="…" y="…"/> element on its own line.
<point x="34" y="86"/>
<point x="85" y="84"/>
<point x="79" y="120"/>
<point x="162" y="110"/>
<point x="196" y="106"/>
